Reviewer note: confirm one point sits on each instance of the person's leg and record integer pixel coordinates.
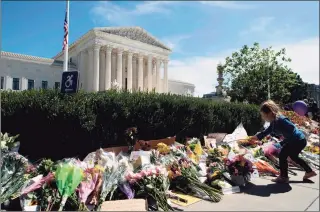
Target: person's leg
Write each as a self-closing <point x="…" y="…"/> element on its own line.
<point x="296" y="148"/>
<point x="283" y="155"/>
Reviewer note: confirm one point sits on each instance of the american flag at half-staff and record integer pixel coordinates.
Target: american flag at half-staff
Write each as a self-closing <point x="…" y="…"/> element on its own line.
<point x="66" y="38"/>
<point x="66" y="31"/>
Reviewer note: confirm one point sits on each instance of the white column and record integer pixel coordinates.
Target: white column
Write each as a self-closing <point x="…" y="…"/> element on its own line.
<point x="140" y="72"/>
<point x="102" y="70"/>
<point x="107" y="80"/>
<point x="24" y="83"/>
<point x="149" y="73"/>
<point x="158" y="79"/>
<point x="82" y="70"/>
<point x="129" y="73"/>
<point x="8" y="83"/>
<point x="96" y="57"/>
<point x="134" y="73"/>
<point x="165" y="76"/>
<point x="119" y="68"/>
<point x="89" y="83"/>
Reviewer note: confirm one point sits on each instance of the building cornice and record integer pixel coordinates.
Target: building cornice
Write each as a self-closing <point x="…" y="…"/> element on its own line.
<point x="30" y="58"/>
<point x="181" y="82"/>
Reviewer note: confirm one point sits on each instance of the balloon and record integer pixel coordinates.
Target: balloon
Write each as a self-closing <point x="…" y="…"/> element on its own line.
<point x="300" y="107"/>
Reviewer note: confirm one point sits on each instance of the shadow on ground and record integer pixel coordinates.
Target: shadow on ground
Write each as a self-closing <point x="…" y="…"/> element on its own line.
<point x="265" y="190"/>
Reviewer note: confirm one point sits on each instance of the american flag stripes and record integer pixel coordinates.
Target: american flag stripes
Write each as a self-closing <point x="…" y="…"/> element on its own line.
<point x="66" y="31"/>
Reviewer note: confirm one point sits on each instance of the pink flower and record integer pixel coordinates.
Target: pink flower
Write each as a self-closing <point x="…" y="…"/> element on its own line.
<point x="138" y="176"/>
<point x="132" y="181"/>
<point x="144" y="173"/>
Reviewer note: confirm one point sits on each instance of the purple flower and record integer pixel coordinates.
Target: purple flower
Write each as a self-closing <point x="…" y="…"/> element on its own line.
<point x="126" y="189"/>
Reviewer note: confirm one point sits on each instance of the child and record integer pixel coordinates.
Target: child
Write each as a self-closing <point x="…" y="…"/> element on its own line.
<point x="294" y="140"/>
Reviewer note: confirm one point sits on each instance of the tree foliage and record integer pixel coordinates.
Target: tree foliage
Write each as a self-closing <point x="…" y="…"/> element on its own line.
<point x="248" y="71"/>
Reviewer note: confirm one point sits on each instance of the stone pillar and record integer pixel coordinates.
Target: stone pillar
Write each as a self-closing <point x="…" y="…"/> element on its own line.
<point x="134" y="73"/>
<point x="96" y="57"/>
<point x="8" y="82"/>
<point x="24" y="83"/>
<point x="119" y="68"/>
<point x="149" y="73"/>
<point x="140" y="72"/>
<point x="82" y="71"/>
<point x="129" y="73"/>
<point x="107" y="80"/>
<point x="102" y="69"/>
<point x="165" y="76"/>
<point x="89" y="83"/>
<point x="158" y="79"/>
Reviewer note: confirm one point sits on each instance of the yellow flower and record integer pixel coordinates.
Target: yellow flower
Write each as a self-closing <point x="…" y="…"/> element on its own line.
<point x="198" y="149"/>
<point x="242" y="163"/>
<point x="98" y="167"/>
<point x="216" y="173"/>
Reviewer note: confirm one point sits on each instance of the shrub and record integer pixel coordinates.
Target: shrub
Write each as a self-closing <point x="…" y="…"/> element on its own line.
<point x="55" y="125"/>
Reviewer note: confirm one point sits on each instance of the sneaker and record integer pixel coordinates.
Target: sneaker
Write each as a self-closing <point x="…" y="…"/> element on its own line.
<point x="281" y="180"/>
<point x="309" y="175"/>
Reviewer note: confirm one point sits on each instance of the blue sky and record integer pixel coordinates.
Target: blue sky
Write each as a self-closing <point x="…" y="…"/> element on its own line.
<point x="201" y="34"/>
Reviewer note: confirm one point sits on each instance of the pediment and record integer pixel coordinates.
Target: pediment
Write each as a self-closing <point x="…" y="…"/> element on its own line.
<point x="134" y="33"/>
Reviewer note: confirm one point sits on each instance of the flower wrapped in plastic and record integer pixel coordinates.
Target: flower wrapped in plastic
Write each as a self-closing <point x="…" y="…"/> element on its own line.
<point x="239" y="166"/>
<point x="151" y="182"/>
<point x="68" y="177"/>
<point x="184" y="177"/>
<point x="13" y="174"/>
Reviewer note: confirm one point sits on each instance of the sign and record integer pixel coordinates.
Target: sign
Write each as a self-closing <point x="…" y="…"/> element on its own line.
<point x="69" y="83"/>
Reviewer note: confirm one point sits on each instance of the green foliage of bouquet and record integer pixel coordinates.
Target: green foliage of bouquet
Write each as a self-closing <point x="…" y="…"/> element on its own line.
<point x="13" y="175"/>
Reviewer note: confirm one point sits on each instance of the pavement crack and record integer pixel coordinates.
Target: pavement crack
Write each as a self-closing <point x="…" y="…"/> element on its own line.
<point x="311" y="204"/>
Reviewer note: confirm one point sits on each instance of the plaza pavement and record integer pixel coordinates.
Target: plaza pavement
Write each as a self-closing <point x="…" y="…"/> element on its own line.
<point x="264" y="195"/>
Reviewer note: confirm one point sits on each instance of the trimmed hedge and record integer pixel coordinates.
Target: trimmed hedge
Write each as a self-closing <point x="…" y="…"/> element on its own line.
<point x="55" y="125"/>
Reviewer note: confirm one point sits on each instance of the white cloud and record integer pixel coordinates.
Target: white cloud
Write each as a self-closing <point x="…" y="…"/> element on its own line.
<point x="228" y="4"/>
<point x="201" y="71"/>
<point x="259" y="25"/>
<point x="174" y="42"/>
<point x="109" y="12"/>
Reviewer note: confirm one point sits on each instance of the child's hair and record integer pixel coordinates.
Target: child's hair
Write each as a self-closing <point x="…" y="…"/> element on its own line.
<point x="270" y="106"/>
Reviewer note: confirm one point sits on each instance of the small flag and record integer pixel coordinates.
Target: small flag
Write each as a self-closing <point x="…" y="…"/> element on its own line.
<point x="66" y="31"/>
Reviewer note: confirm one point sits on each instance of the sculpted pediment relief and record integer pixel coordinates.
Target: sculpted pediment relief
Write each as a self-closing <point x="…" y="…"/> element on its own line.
<point x="134" y="33"/>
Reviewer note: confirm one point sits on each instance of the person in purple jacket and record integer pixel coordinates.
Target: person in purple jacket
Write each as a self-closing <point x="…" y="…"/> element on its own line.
<point x="293" y="143"/>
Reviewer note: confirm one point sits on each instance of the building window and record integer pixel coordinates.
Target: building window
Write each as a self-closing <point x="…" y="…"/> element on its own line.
<point x="2" y="82"/>
<point x="44" y="84"/>
<point x="30" y="84"/>
<point x="16" y="84"/>
<point x="57" y="85"/>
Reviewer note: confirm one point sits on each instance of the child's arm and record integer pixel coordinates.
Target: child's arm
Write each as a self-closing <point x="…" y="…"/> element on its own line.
<point x="266" y="132"/>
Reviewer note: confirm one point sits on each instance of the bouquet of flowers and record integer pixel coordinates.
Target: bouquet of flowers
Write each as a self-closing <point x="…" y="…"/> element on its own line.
<point x="248" y="142"/>
<point x="9" y="143"/>
<point x="184" y="177"/>
<point x="163" y="148"/>
<point x="14" y="174"/>
<point x="112" y="177"/>
<point x="68" y="177"/>
<point x="131" y="137"/>
<point x="239" y="166"/>
<point x="214" y="171"/>
<point x="151" y="182"/>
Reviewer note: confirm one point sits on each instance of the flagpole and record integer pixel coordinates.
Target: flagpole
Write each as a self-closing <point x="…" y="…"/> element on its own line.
<point x="66" y="49"/>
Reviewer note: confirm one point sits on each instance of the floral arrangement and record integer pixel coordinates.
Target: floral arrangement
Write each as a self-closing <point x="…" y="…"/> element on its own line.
<point x="163" y="148"/>
<point x="239" y="166"/>
<point x="9" y="143"/>
<point x="297" y="119"/>
<point x="249" y="142"/>
<point x="131" y="135"/>
<point x="151" y="182"/>
<point x="15" y="171"/>
<point x="313" y="149"/>
<point x="184" y="177"/>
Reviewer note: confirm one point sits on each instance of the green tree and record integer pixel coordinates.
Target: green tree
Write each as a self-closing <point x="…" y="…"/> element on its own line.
<point x="249" y="69"/>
